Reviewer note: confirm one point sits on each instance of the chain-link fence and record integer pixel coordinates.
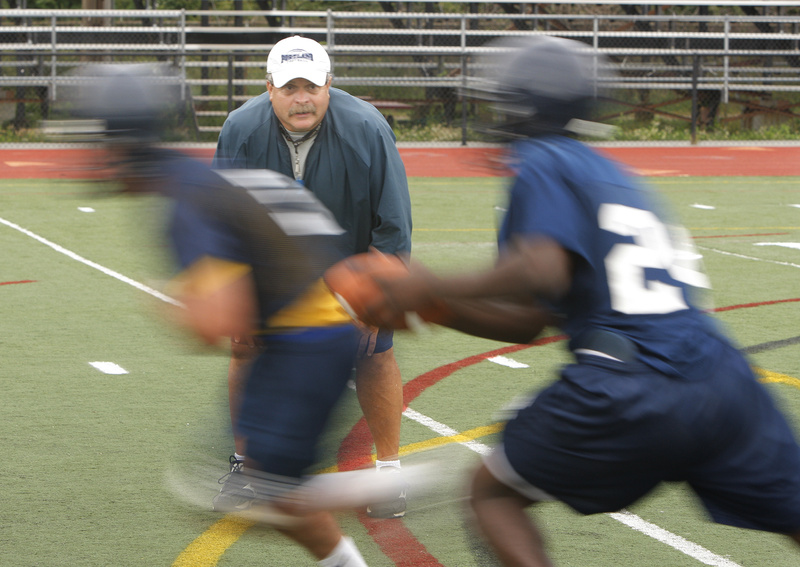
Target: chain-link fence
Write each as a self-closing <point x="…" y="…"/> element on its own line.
<point x="684" y="71"/>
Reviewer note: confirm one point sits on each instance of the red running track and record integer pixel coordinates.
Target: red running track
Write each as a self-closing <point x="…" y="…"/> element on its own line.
<point x="668" y="161"/>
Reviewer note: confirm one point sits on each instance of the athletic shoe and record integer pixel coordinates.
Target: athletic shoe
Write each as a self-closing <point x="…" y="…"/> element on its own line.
<point x="395" y="508"/>
<point x="236" y="492"/>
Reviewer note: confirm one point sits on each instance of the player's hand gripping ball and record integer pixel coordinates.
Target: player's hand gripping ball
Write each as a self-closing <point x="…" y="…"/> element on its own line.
<point x="354" y="283"/>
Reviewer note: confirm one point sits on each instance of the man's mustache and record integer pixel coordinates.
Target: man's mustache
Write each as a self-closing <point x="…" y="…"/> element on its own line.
<point x="303" y="109"/>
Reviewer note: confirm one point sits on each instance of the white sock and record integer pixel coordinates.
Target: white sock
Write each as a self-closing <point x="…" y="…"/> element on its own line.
<point x="237" y="456"/>
<point x="345" y="554"/>
<point x="380" y="464"/>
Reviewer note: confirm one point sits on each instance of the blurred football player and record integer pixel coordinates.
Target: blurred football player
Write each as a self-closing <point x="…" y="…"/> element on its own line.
<point x="655" y="392"/>
<point x="251" y="247"/>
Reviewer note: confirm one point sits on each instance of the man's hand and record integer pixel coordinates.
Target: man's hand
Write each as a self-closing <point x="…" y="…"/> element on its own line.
<point x="368" y="340"/>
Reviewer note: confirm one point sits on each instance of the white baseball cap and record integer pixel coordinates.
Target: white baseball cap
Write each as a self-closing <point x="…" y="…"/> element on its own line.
<point x="298" y="57"/>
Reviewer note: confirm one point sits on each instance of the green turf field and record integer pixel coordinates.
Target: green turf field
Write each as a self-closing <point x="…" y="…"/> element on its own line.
<point x="86" y="453"/>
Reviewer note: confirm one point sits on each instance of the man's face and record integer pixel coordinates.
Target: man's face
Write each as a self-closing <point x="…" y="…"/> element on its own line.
<point x="299" y="104"/>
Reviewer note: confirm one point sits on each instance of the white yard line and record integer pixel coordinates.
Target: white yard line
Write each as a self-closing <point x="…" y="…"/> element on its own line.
<point x="744" y="257"/>
<point x="792" y="245"/>
<point x="140" y="286"/>
<point x="505" y="361"/>
<point x="683" y="545"/>
<point x="108" y="367"/>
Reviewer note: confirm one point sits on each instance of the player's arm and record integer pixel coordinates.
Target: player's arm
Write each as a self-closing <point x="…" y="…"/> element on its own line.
<point x="533" y="267"/>
<point x="219" y="299"/>
<point x="499" y="320"/>
<point x="501" y="303"/>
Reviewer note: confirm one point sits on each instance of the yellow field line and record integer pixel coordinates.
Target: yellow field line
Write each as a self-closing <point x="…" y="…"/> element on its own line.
<point x="463" y="437"/>
<point x="769" y="377"/>
<point x="206" y="550"/>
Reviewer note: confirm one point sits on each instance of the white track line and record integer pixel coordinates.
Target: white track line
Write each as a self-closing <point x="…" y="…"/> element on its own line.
<point x="140" y="286"/>
<point x="631" y="520"/>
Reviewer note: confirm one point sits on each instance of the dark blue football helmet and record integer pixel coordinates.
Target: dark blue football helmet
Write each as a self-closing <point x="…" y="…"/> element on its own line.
<point x="124" y="107"/>
<point x="121" y="102"/>
<point x="539" y="84"/>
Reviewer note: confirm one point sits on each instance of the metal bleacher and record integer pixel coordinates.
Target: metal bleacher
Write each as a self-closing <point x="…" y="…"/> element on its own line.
<point x="400" y="60"/>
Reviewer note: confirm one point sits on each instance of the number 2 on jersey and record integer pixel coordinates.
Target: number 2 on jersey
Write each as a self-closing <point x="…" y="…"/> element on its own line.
<point x="631" y="291"/>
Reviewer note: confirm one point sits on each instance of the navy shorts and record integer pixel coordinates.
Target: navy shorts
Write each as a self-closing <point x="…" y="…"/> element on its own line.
<point x="293" y="386"/>
<point x="608" y="432"/>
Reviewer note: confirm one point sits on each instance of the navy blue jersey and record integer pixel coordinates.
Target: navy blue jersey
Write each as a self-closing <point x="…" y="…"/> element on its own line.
<point x="635" y="271"/>
<point x="265" y="222"/>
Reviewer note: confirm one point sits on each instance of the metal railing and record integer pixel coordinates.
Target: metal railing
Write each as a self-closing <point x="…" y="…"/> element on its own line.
<point x="371" y="52"/>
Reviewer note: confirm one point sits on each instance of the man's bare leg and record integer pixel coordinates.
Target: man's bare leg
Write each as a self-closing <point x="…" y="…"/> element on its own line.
<point x="380" y="394"/>
<point x="243" y="352"/>
<point x="501" y="516"/>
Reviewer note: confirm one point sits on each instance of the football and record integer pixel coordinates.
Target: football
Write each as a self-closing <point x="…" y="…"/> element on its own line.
<point x="353" y="282"/>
